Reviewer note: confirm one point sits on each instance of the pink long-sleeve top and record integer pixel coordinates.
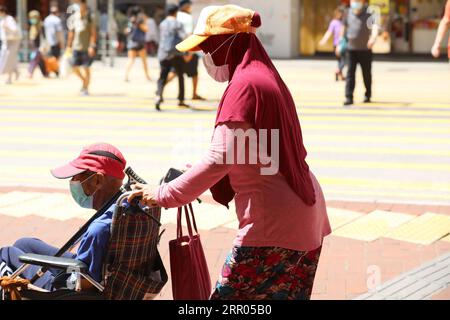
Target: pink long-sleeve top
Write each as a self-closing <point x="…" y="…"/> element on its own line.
<point x="270" y="214"/>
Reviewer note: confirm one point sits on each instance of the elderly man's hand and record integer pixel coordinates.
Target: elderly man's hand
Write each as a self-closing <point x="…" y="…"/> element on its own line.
<point x="147" y="194"/>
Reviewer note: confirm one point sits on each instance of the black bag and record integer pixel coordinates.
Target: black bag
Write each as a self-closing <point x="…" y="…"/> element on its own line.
<point x="137" y="35"/>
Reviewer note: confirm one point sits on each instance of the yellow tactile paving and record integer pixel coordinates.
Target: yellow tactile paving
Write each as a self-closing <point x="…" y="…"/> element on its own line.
<point x="424" y="230"/>
<point x="339" y="217"/>
<point x="372" y="226"/>
<point x="42" y="205"/>
<point x="16" y="197"/>
<point x="66" y="211"/>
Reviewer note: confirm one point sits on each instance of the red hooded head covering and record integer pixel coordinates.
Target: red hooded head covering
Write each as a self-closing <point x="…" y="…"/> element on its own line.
<point x="257" y="95"/>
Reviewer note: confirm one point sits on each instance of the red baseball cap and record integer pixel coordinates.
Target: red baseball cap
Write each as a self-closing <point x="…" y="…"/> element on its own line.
<point x="101" y="157"/>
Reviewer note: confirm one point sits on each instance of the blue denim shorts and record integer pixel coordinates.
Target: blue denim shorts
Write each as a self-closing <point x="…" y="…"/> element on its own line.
<point x="82" y="59"/>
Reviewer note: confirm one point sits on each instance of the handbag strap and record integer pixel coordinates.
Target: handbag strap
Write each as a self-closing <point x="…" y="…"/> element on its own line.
<point x="188" y="221"/>
<point x="179" y="227"/>
<point x="193" y="217"/>
<point x="188" y="210"/>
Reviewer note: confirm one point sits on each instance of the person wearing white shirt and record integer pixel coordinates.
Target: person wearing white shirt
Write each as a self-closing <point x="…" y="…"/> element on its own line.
<point x="152" y="36"/>
<point x="191" y="60"/>
<point x="10" y="36"/>
<point x="54" y="32"/>
<point x="185" y="16"/>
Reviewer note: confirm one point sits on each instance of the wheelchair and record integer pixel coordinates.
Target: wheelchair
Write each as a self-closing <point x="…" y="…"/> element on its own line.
<point x="132" y="270"/>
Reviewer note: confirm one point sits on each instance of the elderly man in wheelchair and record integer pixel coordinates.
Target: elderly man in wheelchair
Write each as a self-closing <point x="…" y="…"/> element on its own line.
<point x="117" y="256"/>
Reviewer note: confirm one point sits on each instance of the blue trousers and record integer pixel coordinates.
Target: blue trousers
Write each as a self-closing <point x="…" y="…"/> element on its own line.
<point x="10" y="257"/>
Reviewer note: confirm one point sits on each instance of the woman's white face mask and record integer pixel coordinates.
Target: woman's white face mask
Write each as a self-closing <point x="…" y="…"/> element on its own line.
<point x="218" y="73"/>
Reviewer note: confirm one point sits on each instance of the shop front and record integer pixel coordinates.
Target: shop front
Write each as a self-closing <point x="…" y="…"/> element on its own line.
<point x="43" y="6"/>
<point x="407" y="26"/>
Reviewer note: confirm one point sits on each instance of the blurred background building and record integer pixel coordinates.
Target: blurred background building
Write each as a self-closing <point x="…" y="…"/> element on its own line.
<point x="293" y="28"/>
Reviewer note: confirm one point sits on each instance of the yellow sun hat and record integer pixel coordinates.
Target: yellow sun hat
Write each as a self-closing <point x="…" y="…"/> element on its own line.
<point x="218" y="20"/>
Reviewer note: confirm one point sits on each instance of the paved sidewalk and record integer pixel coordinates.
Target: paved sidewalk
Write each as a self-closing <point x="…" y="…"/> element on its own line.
<point x="419" y="284"/>
<point x="348" y="260"/>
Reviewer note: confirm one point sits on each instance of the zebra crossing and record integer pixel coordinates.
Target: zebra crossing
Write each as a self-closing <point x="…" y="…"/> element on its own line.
<point x="395" y="151"/>
<point x="391" y="153"/>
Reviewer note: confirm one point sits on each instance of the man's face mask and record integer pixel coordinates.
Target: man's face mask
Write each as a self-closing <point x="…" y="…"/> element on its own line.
<point x="78" y="194"/>
<point x="218" y="73"/>
<point x="356" y="6"/>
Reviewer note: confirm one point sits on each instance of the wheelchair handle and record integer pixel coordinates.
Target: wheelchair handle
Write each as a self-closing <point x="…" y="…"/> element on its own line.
<point x="133" y="178"/>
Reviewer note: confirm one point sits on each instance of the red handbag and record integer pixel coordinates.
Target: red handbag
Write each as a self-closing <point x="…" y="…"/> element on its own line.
<point x="189" y="270"/>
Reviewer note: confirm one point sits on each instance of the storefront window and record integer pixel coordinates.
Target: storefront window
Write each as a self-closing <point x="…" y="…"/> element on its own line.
<point x="425" y="16"/>
<point x="407" y="26"/>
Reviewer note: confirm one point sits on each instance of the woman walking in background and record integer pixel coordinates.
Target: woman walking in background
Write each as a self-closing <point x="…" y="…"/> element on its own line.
<point x="10" y="35"/>
<point x="334" y="30"/>
<point x="136" y="42"/>
<point x="35" y="37"/>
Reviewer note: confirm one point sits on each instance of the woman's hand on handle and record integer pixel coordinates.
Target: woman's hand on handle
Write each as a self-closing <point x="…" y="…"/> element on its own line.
<point x="146" y="193"/>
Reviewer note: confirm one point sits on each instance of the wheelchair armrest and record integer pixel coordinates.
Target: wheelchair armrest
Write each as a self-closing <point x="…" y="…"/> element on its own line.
<point x="71" y="265"/>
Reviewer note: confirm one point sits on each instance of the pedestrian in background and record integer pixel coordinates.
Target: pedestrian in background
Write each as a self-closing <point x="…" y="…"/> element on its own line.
<point x="136" y="37"/>
<point x="191" y="59"/>
<point x="361" y="36"/>
<point x="171" y="32"/>
<point x="82" y="41"/>
<point x="122" y="23"/>
<point x="152" y="37"/>
<point x="334" y="30"/>
<point x="10" y="36"/>
<point x="37" y="45"/>
<point x="54" y="32"/>
<point x="444" y="25"/>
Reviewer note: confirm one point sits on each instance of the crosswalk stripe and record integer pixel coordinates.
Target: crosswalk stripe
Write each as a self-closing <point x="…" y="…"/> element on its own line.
<point x="98" y="119"/>
<point x="61" y="154"/>
<point x="362" y="164"/>
<point x="303" y="101"/>
<point x="384" y="184"/>
<point x="349" y="164"/>
<point x="125" y="109"/>
<point x="307" y="126"/>
<point x="361" y="185"/>
<point x="167" y="142"/>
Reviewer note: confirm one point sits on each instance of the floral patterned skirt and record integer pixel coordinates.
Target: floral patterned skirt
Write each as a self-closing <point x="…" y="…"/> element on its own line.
<point x="269" y="273"/>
